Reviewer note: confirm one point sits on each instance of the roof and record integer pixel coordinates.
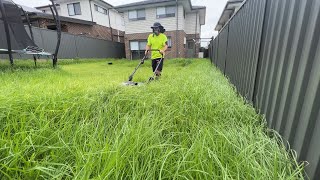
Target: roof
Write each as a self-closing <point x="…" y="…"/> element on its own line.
<point x="28" y="9"/>
<point x="199" y="7"/>
<point x="146" y="2"/>
<point x="62" y="18"/>
<point x="46" y="6"/>
<point x="227" y="13"/>
<point x="104" y="2"/>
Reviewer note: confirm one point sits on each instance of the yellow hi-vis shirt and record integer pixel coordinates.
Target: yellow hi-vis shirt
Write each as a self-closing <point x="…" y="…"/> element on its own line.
<point x="158" y="43"/>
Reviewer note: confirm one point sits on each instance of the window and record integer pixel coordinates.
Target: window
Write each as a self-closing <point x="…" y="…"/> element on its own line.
<point x="74" y="9"/>
<point x="163" y="12"/>
<point x="100" y="9"/>
<point x="134" y="45"/>
<point x="137" y="15"/>
<point x="138" y="45"/>
<point x="142" y="45"/>
<point x="169" y="42"/>
<point x="138" y="48"/>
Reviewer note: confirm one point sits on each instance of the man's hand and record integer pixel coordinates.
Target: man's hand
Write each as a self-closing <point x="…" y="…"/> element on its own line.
<point x="163" y="52"/>
<point x="146" y="52"/>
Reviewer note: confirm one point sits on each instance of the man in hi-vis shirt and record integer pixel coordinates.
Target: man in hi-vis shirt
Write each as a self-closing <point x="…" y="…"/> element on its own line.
<point x="157" y="41"/>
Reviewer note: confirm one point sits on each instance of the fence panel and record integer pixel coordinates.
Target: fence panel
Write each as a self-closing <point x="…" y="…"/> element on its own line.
<point x="273" y="58"/>
<point x="222" y="48"/>
<point x="72" y="46"/>
<point x="245" y="31"/>
<point x="288" y="81"/>
<point x="102" y="48"/>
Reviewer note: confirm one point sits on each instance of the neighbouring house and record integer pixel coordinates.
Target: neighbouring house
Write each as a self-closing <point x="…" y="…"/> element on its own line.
<point x="230" y="9"/>
<point x="181" y="20"/>
<point x="92" y="18"/>
<point x="46" y="9"/>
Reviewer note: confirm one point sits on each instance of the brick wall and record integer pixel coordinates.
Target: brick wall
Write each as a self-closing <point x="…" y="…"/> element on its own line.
<point x="94" y="31"/>
<point x="177" y="50"/>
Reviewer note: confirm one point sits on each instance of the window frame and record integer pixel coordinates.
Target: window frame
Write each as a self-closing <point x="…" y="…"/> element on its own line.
<point x="74" y="9"/>
<point x="166" y="15"/>
<point x="139" y="52"/>
<point x="96" y="8"/>
<point x="136" y="13"/>
<point x="139" y="41"/>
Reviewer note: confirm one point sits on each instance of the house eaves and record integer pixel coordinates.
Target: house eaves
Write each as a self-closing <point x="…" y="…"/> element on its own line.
<point x="104" y="3"/>
<point x="228" y="11"/>
<point x="147" y="3"/>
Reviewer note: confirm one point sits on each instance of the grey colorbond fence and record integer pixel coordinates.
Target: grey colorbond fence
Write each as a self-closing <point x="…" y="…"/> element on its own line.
<point x="270" y="50"/>
<point x="73" y="46"/>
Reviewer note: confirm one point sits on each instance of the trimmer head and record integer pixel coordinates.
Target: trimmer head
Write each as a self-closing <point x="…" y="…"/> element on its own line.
<point x="131" y="83"/>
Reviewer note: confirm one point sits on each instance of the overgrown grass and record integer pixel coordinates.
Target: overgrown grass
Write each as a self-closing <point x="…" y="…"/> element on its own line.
<point x="78" y="122"/>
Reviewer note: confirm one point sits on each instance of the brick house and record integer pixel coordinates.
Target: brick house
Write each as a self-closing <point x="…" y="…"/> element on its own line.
<point x="181" y="20"/>
<point x="92" y="18"/>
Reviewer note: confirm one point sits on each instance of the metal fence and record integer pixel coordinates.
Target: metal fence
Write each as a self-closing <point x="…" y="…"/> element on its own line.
<point x="270" y="50"/>
<point x="73" y="46"/>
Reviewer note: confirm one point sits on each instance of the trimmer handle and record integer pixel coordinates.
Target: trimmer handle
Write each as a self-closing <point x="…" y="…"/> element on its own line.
<point x="154" y="50"/>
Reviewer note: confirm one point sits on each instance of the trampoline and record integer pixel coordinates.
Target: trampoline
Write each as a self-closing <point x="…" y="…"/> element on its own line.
<point x="15" y="36"/>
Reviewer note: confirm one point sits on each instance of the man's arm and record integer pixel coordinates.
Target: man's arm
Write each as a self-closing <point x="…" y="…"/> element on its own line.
<point x="147" y="49"/>
<point x="163" y="51"/>
<point x="148" y="46"/>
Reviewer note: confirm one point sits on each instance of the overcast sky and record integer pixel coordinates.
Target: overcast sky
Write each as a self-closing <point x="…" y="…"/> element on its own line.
<point x="214" y="10"/>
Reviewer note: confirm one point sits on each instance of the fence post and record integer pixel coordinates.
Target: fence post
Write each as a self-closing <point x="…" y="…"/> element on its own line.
<point x="76" y="45"/>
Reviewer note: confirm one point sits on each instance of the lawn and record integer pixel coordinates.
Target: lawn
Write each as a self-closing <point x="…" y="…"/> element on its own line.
<point x="79" y="122"/>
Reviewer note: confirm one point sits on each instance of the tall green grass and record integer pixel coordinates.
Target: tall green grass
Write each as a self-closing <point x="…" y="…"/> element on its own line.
<point x="79" y="122"/>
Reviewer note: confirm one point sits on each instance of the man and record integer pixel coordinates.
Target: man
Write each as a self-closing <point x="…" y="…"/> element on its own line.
<point x="157" y="41"/>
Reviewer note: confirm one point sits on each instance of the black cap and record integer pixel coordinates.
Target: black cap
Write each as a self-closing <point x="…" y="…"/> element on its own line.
<point x="157" y="25"/>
